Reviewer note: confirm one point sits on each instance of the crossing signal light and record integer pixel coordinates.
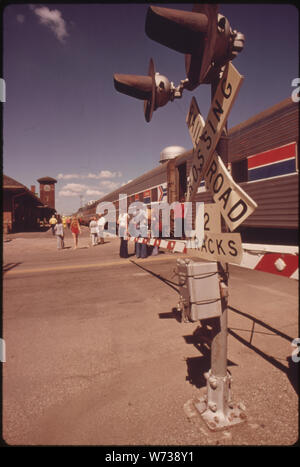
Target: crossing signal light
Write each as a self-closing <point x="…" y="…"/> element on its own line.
<point x="155" y="89"/>
<point x="203" y="35"/>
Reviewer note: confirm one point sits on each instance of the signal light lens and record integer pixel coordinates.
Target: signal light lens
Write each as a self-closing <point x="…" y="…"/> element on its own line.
<point x="154" y="89"/>
<point x="136" y="86"/>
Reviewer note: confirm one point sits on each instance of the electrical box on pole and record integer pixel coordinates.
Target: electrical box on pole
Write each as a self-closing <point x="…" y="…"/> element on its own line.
<point x="199" y="290"/>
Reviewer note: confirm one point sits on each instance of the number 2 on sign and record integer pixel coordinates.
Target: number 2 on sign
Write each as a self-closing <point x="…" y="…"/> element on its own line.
<point x="212" y="218"/>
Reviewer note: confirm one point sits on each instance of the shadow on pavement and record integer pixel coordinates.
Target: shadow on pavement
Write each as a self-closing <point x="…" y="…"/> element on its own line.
<point x="9" y="266"/>
<point x="158" y="276"/>
<point x="197" y="366"/>
<point x="174" y="314"/>
<point x="292" y="371"/>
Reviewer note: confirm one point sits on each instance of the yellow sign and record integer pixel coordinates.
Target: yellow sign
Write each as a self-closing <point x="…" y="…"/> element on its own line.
<point x="222" y="102"/>
<point x="223" y="247"/>
<point x="233" y="203"/>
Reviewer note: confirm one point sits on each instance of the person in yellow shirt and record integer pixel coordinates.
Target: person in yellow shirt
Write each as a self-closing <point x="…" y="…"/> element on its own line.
<point x="53" y="222"/>
<point x="64" y="221"/>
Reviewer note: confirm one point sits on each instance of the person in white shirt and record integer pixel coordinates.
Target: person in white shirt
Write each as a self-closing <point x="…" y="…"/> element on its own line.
<point x="141" y="221"/>
<point x="123" y="234"/>
<point x="93" y="231"/>
<point x="59" y="232"/>
<point x="101" y="223"/>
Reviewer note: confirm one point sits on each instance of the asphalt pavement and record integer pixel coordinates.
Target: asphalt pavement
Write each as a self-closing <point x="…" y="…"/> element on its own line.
<point x="96" y="353"/>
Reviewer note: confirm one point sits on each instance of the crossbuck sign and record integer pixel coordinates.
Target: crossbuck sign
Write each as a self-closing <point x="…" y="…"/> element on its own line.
<point x="233" y="203"/>
<point x="224" y="97"/>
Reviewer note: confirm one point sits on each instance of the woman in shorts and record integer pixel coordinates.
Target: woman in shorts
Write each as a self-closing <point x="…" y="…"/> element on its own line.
<point x="75" y="229"/>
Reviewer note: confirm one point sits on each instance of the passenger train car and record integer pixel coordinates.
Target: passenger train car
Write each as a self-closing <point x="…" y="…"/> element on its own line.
<point x="263" y="159"/>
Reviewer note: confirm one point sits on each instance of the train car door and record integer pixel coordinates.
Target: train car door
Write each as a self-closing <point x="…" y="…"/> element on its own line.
<point x="181" y="182"/>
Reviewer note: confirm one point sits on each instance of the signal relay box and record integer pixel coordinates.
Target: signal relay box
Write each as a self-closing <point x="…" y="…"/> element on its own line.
<point x="199" y="289"/>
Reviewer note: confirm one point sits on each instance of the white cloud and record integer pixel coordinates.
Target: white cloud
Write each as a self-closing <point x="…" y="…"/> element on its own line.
<point x="91" y="192"/>
<point x="109" y="185"/>
<point x="72" y="189"/>
<point x="109" y="174"/>
<point x="67" y="193"/>
<point x="20" y="19"/>
<point x="103" y="174"/>
<point x="68" y="176"/>
<point x="52" y="19"/>
<point x="77" y="187"/>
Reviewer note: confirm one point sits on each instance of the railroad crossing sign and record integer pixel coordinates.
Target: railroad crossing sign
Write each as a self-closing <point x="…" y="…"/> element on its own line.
<point x="234" y="204"/>
<point x="223" y="247"/>
<point x="222" y="102"/>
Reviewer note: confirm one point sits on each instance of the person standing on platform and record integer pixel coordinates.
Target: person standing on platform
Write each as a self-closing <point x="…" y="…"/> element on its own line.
<point x="93" y="231"/>
<point x="64" y="221"/>
<point x="59" y="232"/>
<point x="123" y="234"/>
<point x="101" y="223"/>
<point x="141" y="222"/>
<point x="52" y="223"/>
<point x="75" y="229"/>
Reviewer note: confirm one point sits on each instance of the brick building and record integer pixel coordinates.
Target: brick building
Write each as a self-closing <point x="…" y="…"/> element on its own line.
<point x="22" y="208"/>
<point x="47" y="191"/>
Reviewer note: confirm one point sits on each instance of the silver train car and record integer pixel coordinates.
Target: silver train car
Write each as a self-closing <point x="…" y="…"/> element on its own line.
<point x="263" y="160"/>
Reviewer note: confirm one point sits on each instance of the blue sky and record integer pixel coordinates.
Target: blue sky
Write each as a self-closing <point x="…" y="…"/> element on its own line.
<point x="63" y="117"/>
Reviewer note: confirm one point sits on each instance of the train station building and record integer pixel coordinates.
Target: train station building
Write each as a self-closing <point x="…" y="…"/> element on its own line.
<point x="23" y="210"/>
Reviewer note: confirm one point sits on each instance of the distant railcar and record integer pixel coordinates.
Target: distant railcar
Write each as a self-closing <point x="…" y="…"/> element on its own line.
<point x="263" y="159"/>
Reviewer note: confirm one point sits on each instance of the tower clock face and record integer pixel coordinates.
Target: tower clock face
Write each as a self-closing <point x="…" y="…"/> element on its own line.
<point x="47" y="188"/>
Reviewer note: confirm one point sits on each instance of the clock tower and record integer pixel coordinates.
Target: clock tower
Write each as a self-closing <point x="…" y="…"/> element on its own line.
<point x="47" y="191"/>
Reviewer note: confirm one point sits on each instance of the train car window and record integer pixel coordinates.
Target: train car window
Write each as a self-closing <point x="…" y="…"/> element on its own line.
<point x="182" y="182"/>
<point x="154" y="194"/>
<point x="239" y="171"/>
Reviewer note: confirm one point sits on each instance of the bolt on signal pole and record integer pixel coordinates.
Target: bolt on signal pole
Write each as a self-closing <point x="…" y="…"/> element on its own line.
<point x="217" y="408"/>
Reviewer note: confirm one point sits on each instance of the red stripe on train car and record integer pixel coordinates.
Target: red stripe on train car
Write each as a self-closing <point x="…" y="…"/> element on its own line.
<point x="274" y="155"/>
<point x="267" y="264"/>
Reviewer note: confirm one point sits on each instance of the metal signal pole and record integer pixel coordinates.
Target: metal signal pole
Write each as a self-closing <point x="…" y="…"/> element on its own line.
<point x="217" y="408"/>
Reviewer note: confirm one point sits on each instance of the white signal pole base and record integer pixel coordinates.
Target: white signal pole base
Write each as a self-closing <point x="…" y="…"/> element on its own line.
<point x="217" y="408"/>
